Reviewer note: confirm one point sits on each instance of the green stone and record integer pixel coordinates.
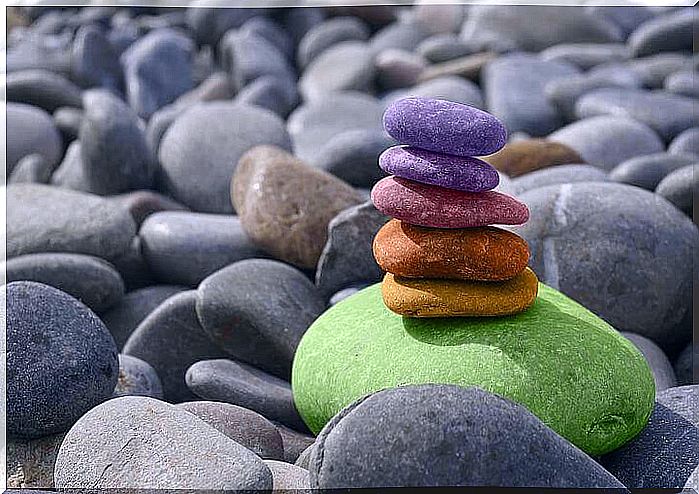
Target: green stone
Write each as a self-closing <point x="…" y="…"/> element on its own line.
<point x="566" y="365"/>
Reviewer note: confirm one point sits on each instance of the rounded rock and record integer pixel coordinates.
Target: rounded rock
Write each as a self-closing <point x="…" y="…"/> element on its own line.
<point x="30" y="130"/>
<point x="685" y="142"/>
<point x="528" y="155"/>
<point x="680" y="187"/>
<point x="649" y="170"/>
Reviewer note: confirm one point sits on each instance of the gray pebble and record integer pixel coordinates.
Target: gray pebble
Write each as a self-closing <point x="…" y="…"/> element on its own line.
<point x="33" y="168"/>
<point x="143" y="203"/>
<point x="398" y="68"/>
<point x="326" y="34"/>
<point x="685" y="142"/>
<point x="42" y="88"/>
<point x="305" y="457"/>
<point x="654" y="69"/>
<point x="449" y="87"/>
<point x="561" y="174"/>
<point x="30" y="130"/>
<point x="294" y="442"/>
<point x="93" y="61"/>
<point x="70" y="173"/>
<point x="272" y="93"/>
<point x="137" y="378"/>
<point x="443" y="48"/>
<point x="683" y="82"/>
<point x="271" y="31"/>
<point x="626" y="17"/>
<point x="406" y="35"/>
<point x="669" y="32"/>
<point x="647" y="171"/>
<point x="209" y="24"/>
<point x="683" y="400"/>
<point x="288" y="478"/>
<point x="686" y="364"/>
<point x="586" y="55"/>
<point x="658" y="362"/>
<point x="680" y="187"/>
<point x="439" y="18"/>
<point x="68" y="120"/>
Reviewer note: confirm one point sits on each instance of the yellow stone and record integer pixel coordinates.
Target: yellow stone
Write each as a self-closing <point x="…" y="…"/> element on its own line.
<point x="459" y="298"/>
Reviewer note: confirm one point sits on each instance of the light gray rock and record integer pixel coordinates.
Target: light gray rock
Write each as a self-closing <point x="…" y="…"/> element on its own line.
<point x="33" y="168"/>
<point x="587" y="55"/>
<point x="328" y="33"/>
<point x="451" y="88"/>
<point x="93" y="61"/>
<point x="30" y="130"/>
<point x="209" y="20"/>
<point x="439" y="18"/>
<point x="561" y="174"/>
<point x="398" y="68"/>
<point x="680" y="187"/>
<point x="647" y="171"/>
<point x="288" y="478"/>
<point x="685" y="142"/>
<point x="443" y="48"/>
<point x="403" y="35"/>
<point x="683" y="82"/>
<point x="663" y="374"/>
<point x="669" y="32"/>
<point x="654" y="69"/>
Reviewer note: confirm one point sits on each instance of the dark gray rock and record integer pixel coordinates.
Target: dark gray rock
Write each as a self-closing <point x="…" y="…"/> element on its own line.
<point x="133" y="268"/>
<point x="125" y="442"/>
<point x="620" y="251"/>
<point x="586" y="55"/>
<point x="685" y="365"/>
<point x="561" y="174"/>
<point x="33" y="168"/>
<point x="270" y="30"/>
<point x="30" y="130"/>
<point x="353" y="156"/>
<point x="653" y="70"/>
<point x="658" y="362"/>
<point x="647" y="171"/>
<point x="403" y="35"/>
<point x="443" y="48"/>
<point x="134" y="307"/>
<point x="298" y="22"/>
<point x="89" y="279"/>
<point x="143" y="203"/>
<point x="209" y="24"/>
<point x="314" y="123"/>
<point x="115" y="155"/>
<point x="93" y="61"/>
<point x="272" y="305"/>
<point x="685" y="142"/>
<point x="170" y="339"/>
<point x="347" y="257"/>
<point x="200" y="151"/>
<point x="30" y="463"/>
<point x="137" y="378"/>
<point x="683" y="82"/>
<point x="41" y="218"/>
<point x="248" y="428"/>
<point x="272" y="93"/>
<point x="288" y="478"/>
<point x="326" y="34"/>
<point x="123" y="35"/>
<point x="61" y="360"/>
<point x="669" y="32"/>
<point x="43" y="89"/>
<point x="398" y="68"/>
<point x="514" y="91"/>
<point x="345" y="66"/>
<point x="70" y="173"/>
<point x="450" y="87"/>
<point x="68" y="120"/>
<point x="245" y="386"/>
<point x="680" y="187"/>
<point x="183" y="248"/>
<point x="606" y="141"/>
<point x="442" y="435"/>
<point x="294" y="442"/>
<point x="666" y="113"/>
<point x="521" y="27"/>
<point x="157" y="69"/>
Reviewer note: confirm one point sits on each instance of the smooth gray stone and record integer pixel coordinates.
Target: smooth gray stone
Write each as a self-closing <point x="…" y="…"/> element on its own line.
<point x="353" y="156"/>
<point x="619" y="250"/>
<point x="439" y="18"/>
<point x="133" y="268"/>
<point x="683" y="400"/>
<point x="398" y="68"/>
<point x="68" y="120"/>
<point x="134" y="307"/>
<point x="305" y="457"/>
<point x="157" y="69"/>
<point x="70" y="173"/>
<point x="347" y="257"/>
<point x="137" y="378"/>
<point x="666" y="113"/>
<point x="247" y="428"/>
<point x="288" y="478"/>
<point x="183" y="248"/>
<point x="273" y="32"/>
<point x="452" y="88"/>
<point x="663" y="373"/>
<point x="159" y="122"/>
<point x="684" y="83"/>
<point x="680" y="187"/>
<point x="345" y="66"/>
<point x="272" y="93"/>
<point x="328" y="33"/>
<point x="200" y="151"/>
<point x="521" y="27"/>
<point x="50" y="52"/>
<point x="143" y="203"/>
<point x="30" y="463"/>
<point x="294" y="442"/>
<point x="298" y="22"/>
<point x="113" y="148"/>
<point x="30" y="130"/>
<point x="561" y="174"/>
<point x="272" y="305"/>
<point x="626" y="17"/>
<point x="314" y="123"/>
<point x="61" y="360"/>
<point x="42" y="88"/>
<point x="443" y="48"/>
<point x="215" y="87"/>
<point x="126" y="442"/>
<point x="586" y="55"/>
<point x="606" y="141"/>
<point x="246" y="386"/>
<point x="654" y="69"/>
<point x="685" y="365"/>
<point x="685" y="142"/>
<point x="41" y="218"/>
<point x="443" y="435"/>
<point x="89" y="279"/>
<point x="514" y="92"/>
<point x="403" y="35"/>
<point x="123" y="35"/>
<point x="647" y="171"/>
<point x="33" y="168"/>
<point x="170" y="339"/>
<point x="209" y="24"/>
<point x="93" y="61"/>
<point x="669" y="32"/>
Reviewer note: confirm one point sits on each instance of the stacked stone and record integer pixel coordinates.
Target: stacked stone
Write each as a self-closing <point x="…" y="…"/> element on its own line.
<point x="441" y="254"/>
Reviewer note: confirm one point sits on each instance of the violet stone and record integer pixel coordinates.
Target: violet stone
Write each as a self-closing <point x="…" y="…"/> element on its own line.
<point x="445" y="170"/>
<point x="437" y="207"/>
<point x="444" y="127"/>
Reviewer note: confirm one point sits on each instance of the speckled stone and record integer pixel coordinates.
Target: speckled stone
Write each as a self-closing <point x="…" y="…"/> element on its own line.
<point x="444" y="127"/>
<point x="288" y="478"/>
<point x="419" y="297"/>
<point x="527" y="155"/>
<point x="479" y="254"/>
<point x="453" y="172"/>
<point x="432" y="206"/>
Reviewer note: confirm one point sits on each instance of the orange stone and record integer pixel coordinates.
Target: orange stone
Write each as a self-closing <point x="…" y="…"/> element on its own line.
<point x="418" y="297"/>
<point x="485" y="253"/>
<point x="527" y="155"/>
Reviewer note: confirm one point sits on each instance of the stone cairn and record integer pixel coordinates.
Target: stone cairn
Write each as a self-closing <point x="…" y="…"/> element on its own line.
<point x="440" y="252"/>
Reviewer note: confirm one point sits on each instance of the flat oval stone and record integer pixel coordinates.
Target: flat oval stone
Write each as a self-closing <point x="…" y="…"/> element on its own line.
<point x="450" y="171"/>
<point x="522" y="157"/>
<point x="437" y="207"/>
<point x="444" y="127"/>
<point x="485" y="254"/>
<point x="548" y="358"/>
<point x="420" y="297"/>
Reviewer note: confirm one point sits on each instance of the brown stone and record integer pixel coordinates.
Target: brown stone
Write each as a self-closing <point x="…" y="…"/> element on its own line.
<point x="483" y="254"/>
<point x="285" y="205"/>
<point x="418" y="297"/>
<point x="527" y="155"/>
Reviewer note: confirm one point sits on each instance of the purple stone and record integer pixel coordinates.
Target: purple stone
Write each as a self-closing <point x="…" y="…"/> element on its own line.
<point x="444" y="127"/>
<point x="445" y="170"/>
